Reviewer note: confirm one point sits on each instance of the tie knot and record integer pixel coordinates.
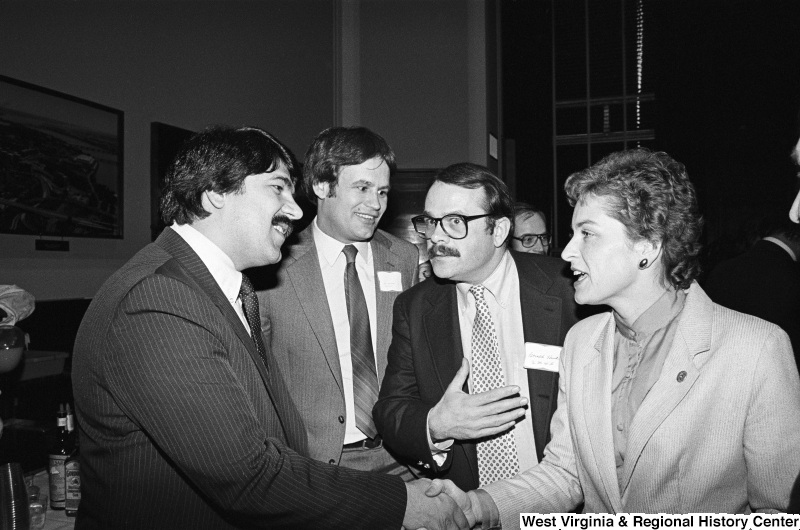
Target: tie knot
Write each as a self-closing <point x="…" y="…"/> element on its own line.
<point x="350" y="253"/>
<point x="246" y="289"/>
<point x="477" y="291"/>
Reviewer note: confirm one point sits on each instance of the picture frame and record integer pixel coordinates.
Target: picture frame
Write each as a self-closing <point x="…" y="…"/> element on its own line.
<point x="61" y="164"/>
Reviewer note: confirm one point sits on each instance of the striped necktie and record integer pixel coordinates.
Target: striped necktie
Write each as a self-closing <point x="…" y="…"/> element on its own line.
<point x="365" y="376"/>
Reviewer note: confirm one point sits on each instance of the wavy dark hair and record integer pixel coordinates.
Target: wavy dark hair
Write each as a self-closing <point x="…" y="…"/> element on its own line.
<point x="337" y="147"/>
<point x="650" y="193"/>
<point x="497" y="200"/>
<point x="219" y="159"/>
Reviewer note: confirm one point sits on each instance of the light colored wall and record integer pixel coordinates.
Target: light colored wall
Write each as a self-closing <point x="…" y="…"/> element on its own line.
<point x="421" y="77"/>
<point x="189" y="64"/>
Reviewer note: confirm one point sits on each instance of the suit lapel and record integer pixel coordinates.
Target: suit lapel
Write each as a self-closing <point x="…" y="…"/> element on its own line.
<point x="678" y="375"/>
<point x="541" y="323"/>
<point x="443" y="335"/>
<point x="306" y="278"/>
<point x="541" y="313"/>
<point x="595" y="388"/>
<point x="383" y="259"/>
<point x="188" y="267"/>
<point x="197" y="273"/>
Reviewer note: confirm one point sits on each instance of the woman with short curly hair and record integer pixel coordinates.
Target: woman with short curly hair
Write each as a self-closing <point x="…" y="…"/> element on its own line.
<point x="649" y="193"/>
<point x="668" y="403"/>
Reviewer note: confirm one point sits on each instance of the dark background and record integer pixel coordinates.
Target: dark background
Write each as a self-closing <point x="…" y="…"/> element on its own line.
<point x="726" y="79"/>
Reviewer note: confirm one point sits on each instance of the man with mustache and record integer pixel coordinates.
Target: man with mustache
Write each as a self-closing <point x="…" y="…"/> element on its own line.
<point x="184" y="417"/>
<point x="328" y="319"/>
<point x="471" y="383"/>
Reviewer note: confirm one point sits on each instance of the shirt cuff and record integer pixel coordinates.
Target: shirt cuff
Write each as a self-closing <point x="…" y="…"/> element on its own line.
<point x="439" y="450"/>
<point x="484" y="509"/>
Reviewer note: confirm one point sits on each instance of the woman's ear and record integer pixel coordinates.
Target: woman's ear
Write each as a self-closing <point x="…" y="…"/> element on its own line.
<point x="649" y="250"/>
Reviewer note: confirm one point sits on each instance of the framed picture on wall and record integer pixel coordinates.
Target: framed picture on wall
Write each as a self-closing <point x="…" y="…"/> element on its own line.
<point x="60" y="164"/>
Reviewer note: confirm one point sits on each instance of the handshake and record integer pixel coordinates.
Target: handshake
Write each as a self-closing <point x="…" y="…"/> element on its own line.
<point x="439" y="504"/>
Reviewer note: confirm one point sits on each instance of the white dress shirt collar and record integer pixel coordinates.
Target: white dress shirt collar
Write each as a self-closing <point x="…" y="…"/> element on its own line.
<point x="329" y="248"/>
<point x="497" y="284"/>
<point x="219" y="264"/>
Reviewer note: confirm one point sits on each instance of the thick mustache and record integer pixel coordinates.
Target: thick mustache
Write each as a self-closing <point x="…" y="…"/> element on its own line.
<point x="441" y="250"/>
<point x="281" y="219"/>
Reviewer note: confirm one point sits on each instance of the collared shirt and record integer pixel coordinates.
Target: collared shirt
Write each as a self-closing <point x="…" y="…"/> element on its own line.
<point x="505" y="307"/>
<point x="219" y="264"/>
<point x="640" y="352"/>
<point x="332" y="263"/>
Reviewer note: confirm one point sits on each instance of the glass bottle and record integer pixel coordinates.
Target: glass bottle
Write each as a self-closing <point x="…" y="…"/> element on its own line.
<point x="63" y="446"/>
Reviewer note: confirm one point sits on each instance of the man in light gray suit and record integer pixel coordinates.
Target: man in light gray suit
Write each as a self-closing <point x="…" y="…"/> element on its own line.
<point x="328" y="319"/>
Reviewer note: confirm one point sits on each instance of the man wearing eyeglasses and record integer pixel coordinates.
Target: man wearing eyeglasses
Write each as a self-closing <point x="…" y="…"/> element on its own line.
<point x="472" y="373"/>
<point x="530" y="230"/>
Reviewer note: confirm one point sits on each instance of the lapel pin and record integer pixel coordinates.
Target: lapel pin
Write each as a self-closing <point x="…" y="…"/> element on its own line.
<point x="681" y="376"/>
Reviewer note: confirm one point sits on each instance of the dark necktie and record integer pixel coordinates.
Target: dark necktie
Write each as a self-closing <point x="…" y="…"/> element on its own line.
<point x="250" y="309"/>
<point x="365" y="377"/>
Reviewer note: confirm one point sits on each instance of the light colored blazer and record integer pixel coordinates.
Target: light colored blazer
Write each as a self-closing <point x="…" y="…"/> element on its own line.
<point x="719" y="431"/>
<point x="296" y="321"/>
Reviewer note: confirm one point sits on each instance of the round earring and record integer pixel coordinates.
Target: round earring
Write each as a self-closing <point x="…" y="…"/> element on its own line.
<point x="643" y="264"/>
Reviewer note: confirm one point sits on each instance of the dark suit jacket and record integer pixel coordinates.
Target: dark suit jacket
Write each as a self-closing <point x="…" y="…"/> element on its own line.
<point x="296" y="322"/>
<point x="426" y="353"/>
<point x="182" y="425"/>
<point x="764" y="282"/>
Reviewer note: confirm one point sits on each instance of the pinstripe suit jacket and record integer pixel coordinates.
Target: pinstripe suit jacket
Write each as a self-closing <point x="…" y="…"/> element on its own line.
<point x="719" y="431"/>
<point x="296" y="321"/>
<point x="182" y="425"/>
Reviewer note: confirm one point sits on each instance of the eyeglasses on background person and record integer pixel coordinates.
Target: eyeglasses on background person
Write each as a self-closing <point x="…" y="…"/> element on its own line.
<point x="530" y="230"/>
<point x="529" y="240"/>
<point x="454" y="225"/>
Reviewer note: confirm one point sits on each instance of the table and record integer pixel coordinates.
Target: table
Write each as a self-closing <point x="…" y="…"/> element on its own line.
<point x="56" y="519"/>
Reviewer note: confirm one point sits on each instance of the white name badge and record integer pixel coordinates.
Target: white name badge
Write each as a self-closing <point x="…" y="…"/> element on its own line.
<point x="542" y="356"/>
<point x="390" y="281"/>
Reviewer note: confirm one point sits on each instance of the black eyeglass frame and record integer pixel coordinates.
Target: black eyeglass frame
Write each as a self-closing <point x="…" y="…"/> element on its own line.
<point x="438" y="221"/>
<point x="544" y="239"/>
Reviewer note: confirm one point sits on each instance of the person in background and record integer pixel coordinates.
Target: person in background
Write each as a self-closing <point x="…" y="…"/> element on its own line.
<point x="764" y="281"/>
<point x="530" y="230"/>
<point x="184" y="418"/>
<point x="669" y="403"/>
<point x="331" y="355"/>
<point x="484" y="322"/>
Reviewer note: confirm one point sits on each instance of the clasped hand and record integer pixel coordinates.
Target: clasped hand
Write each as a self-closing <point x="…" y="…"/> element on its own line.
<point x="430" y="506"/>
<point x="462" y="416"/>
